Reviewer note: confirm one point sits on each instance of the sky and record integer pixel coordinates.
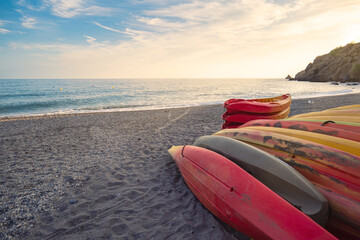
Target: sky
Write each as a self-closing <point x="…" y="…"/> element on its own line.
<point x="170" y="39"/>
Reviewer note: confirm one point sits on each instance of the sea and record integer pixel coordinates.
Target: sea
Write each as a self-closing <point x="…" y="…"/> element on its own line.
<point x="29" y="97"/>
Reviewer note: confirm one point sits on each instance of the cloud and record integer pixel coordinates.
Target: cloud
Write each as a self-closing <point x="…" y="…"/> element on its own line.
<point x="248" y="38"/>
<point x="230" y="38"/>
<point x="28" y="22"/>
<point x="66" y="8"/>
<point x="4" y="31"/>
<point x="89" y="39"/>
<point x="56" y="47"/>
<point x="235" y="24"/>
<point x="104" y="45"/>
<point x="30" y="5"/>
<point x="72" y="8"/>
<point x="107" y="28"/>
<point x="203" y="26"/>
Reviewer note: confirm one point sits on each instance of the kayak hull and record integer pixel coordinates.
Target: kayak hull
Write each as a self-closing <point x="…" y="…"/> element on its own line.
<point x="260" y="105"/>
<point x="337" y="124"/>
<point x="350" y="119"/>
<point x="273" y="173"/>
<point x="349" y="146"/>
<point x="330" y="168"/>
<point x="351" y="133"/>
<point x="241" y="201"/>
<point x="333" y="112"/>
<point x="244" y="117"/>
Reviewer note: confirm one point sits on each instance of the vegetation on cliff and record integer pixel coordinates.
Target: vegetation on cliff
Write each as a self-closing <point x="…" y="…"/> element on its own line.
<point x="342" y="64"/>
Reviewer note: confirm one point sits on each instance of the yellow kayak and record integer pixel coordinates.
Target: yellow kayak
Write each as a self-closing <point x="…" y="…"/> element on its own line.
<point x="345" y="145"/>
<point x="351" y="119"/>
<point x="349" y="113"/>
<point x="355" y="106"/>
<point x="344" y="112"/>
<point x="319" y="121"/>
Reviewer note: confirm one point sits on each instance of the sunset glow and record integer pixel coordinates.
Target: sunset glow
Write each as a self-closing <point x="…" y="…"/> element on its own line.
<point x="151" y="38"/>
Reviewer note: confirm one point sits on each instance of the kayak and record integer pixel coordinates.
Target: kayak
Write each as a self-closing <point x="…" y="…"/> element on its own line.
<point x="342" y="230"/>
<point x="343" y="114"/>
<point x="245" y="117"/>
<point x="335" y="173"/>
<point x="345" y="145"/>
<point x="355" y="106"/>
<point x="342" y="195"/>
<point x="351" y="119"/>
<point x="273" y="173"/>
<point x="319" y="153"/>
<point x="349" y="113"/>
<point x="260" y="105"/>
<point x="230" y="125"/>
<point x="330" y="112"/>
<point x="339" y="124"/>
<point x="336" y="130"/>
<point x="240" y="200"/>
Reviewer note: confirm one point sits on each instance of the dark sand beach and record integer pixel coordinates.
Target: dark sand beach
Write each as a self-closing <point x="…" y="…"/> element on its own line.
<point x="109" y="175"/>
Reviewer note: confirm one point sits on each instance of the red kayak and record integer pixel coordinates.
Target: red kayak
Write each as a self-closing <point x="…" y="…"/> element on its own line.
<point x="245" y="116"/>
<point x="226" y="125"/>
<point x="308" y="126"/>
<point x="260" y="105"/>
<point x="240" y="200"/>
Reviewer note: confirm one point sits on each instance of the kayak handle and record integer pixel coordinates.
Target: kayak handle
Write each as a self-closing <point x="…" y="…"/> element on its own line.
<point x="323" y="124"/>
<point x="182" y="151"/>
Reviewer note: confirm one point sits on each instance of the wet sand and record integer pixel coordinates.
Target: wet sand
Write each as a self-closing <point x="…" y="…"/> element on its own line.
<point x="109" y="175"/>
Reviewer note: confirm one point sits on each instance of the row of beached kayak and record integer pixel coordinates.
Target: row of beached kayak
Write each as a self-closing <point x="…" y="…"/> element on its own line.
<point x="293" y="178"/>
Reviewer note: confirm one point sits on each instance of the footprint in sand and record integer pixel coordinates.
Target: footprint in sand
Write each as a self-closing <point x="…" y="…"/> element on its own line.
<point x="106" y="198"/>
<point x="120" y="229"/>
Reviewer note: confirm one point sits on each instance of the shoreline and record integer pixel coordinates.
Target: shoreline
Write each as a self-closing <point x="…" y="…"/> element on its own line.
<point x="108" y="174"/>
<point x="55" y="115"/>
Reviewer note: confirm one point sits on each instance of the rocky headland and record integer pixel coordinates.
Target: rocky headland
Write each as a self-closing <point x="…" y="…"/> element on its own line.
<point x="342" y="64"/>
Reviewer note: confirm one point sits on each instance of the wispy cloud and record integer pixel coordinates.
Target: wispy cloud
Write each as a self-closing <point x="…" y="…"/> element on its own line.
<point x="4" y="31"/>
<point x="237" y="15"/>
<point x="28" y="22"/>
<point x="72" y="8"/>
<point x="31" y="5"/>
<point x="229" y="38"/>
<point x="107" y="28"/>
<point x="49" y="47"/>
<point x="89" y="39"/>
<point x="243" y="38"/>
<point x="101" y="45"/>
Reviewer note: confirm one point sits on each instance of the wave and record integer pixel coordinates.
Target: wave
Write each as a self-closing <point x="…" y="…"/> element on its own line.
<point x="78" y="97"/>
<point x="21" y="95"/>
<point x="24" y="107"/>
<point x="323" y="94"/>
<point x="57" y="104"/>
<point x="110" y="107"/>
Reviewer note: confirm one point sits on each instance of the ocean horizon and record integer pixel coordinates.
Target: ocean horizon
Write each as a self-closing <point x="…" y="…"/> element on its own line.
<point x="28" y="97"/>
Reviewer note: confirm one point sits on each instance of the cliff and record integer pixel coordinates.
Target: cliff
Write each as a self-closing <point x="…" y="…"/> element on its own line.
<point x="340" y="65"/>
